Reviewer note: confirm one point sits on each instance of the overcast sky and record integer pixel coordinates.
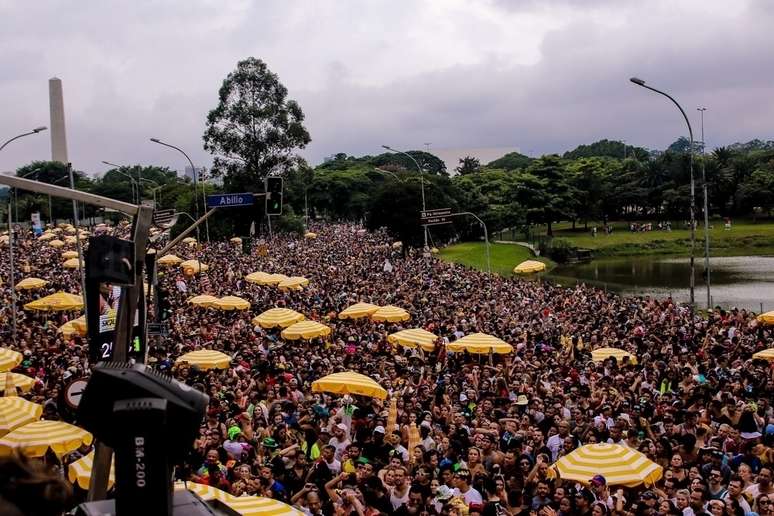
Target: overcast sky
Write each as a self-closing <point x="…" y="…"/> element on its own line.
<point x="536" y="75"/>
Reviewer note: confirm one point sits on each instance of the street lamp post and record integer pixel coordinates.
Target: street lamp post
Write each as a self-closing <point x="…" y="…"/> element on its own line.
<point x="153" y="190"/>
<point x="193" y="171"/>
<point x="421" y="180"/>
<point x="135" y="190"/>
<point x="640" y="82"/>
<point x="706" y="211"/>
<point x="34" y="131"/>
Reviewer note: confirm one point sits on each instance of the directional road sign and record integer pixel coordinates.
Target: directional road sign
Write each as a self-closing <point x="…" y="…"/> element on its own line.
<point x="435" y="217"/>
<point x="230" y="200"/>
<point x="162" y="218"/>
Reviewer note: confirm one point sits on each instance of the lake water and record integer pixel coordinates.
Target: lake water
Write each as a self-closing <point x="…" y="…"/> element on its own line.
<point x="743" y="281"/>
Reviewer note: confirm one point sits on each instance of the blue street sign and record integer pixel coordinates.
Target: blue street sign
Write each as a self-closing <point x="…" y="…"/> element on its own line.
<point x="229" y="200"/>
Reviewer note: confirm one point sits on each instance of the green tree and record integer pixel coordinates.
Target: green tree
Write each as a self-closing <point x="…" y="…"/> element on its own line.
<point x="51" y="172"/>
<point x="511" y="161"/>
<point x="546" y="192"/>
<point x="468" y="165"/>
<point x="255" y="129"/>
<point x="430" y="163"/>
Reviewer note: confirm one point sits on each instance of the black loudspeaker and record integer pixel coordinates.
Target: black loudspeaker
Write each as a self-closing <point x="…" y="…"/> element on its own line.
<point x="111" y="260"/>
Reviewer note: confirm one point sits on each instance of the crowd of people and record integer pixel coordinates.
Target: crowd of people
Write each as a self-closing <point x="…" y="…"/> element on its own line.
<point x="490" y="427"/>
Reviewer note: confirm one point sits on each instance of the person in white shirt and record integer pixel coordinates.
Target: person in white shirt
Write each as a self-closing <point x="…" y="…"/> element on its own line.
<point x="556" y="441"/>
<point x="329" y="456"/>
<point x="462" y="488"/>
<point x="340" y="440"/>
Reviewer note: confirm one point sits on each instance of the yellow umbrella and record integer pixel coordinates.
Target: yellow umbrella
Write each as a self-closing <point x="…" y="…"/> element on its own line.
<point x="231" y="303"/>
<point x="16" y="412"/>
<point x="189" y="240"/>
<point x="310" y="235"/>
<point x="4" y="239"/>
<point x="75" y="326"/>
<point x="9" y="359"/>
<point x="275" y="279"/>
<point x="236" y="240"/>
<point x="293" y="282"/>
<point x="203" y="300"/>
<point x="34" y="439"/>
<point x="306" y="330"/>
<point x="620" y="465"/>
<point x="260" y="278"/>
<point x="480" y="343"/>
<point x="70" y="230"/>
<point x="397" y="245"/>
<point x="242" y="505"/>
<point x="277" y="317"/>
<point x="169" y="259"/>
<point x="56" y="243"/>
<point x="69" y="255"/>
<point x="46" y="236"/>
<point x="56" y="302"/>
<point x="602" y="354"/>
<point x="207" y="359"/>
<point x="70" y="240"/>
<point x="767" y="318"/>
<point x="31" y="283"/>
<point x="358" y="310"/>
<point x="529" y="267"/>
<point x="17" y="380"/>
<point x="766" y="354"/>
<point x="413" y="338"/>
<point x="72" y="263"/>
<point x="79" y="472"/>
<point x="194" y="266"/>
<point x="390" y="313"/>
<point x="349" y="383"/>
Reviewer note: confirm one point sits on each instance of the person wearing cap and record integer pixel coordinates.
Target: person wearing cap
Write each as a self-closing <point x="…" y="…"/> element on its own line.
<point x="377" y="449"/>
<point x="583" y="500"/>
<point x="340" y="440"/>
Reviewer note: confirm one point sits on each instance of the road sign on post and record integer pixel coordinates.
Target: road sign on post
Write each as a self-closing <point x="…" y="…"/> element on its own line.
<point x="230" y="200"/>
<point x="435" y="217"/>
<point x="162" y="218"/>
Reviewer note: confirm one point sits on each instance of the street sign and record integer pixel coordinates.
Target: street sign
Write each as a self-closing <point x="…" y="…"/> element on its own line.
<point x="162" y="218"/>
<point x="436" y="217"/>
<point x="229" y="200"/>
<point x="74" y="392"/>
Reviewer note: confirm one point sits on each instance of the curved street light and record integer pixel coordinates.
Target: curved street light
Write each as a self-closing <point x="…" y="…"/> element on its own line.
<point x="135" y="189"/>
<point x="641" y="82"/>
<point x="34" y="131"/>
<point x="421" y="180"/>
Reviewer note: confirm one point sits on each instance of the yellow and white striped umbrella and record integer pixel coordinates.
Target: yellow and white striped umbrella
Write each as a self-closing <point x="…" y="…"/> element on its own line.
<point x="72" y="263"/>
<point x="529" y="267"/>
<point x="242" y="505"/>
<point x="310" y="235"/>
<point x="61" y="301"/>
<point x="480" y="343"/>
<point x="620" y="465"/>
<point x="259" y="278"/>
<point x="16" y="412"/>
<point x="169" y="259"/>
<point x="34" y="439"/>
<point x="766" y="318"/>
<point x="194" y="266"/>
<point x="413" y="338"/>
<point x="236" y="240"/>
<point x="766" y="354"/>
<point x="46" y="236"/>
<point x="275" y="279"/>
<point x="277" y="317"/>
<point x="206" y="359"/>
<point x="390" y="313"/>
<point x="203" y="300"/>
<point x="56" y="244"/>
<point x="189" y="240"/>
<point x="9" y="359"/>
<point x="349" y="383"/>
<point x="602" y="354"/>
<point x="69" y="255"/>
<point x="31" y="283"/>
<point x="306" y="330"/>
<point x="358" y="310"/>
<point x="19" y="381"/>
<point x="70" y="239"/>
<point x="231" y="303"/>
<point x="70" y="328"/>
<point x="293" y="283"/>
<point x="79" y="472"/>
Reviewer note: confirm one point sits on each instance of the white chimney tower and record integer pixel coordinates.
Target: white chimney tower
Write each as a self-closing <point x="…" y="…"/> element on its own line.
<point x="58" y="135"/>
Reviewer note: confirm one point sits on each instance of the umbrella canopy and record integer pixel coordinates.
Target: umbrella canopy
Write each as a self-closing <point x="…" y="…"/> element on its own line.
<point x="56" y="243"/>
<point x="358" y="310"/>
<point x="189" y="240"/>
<point x="169" y="259"/>
<point x="275" y="279"/>
<point x="70" y="239"/>
<point x="34" y="439"/>
<point x="31" y="283"/>
<point x="766" y="354"/>
<point x="306" y="330"/>
<point x="19" y="381"/>
<point x="529" y="267"/>
<point x="242" y="505"/>
<point x="46" y="236"/>
<point x="767" y="318"/>
<point x="397" y="245"/>
<point x="349" y="383"/>
<point x="310" y="235"/>
<point x="602" y="354"/>
<point x="69" y="255"/>
<point x="59" y="301"/>
<point x="480" y="343"/>
<point x="9" y="359"/>
<point x="390" y="313"/>
<point x="72" y="263"/>
<point x="620" y="465"/>
<point x="231" y="303"/>
<point x="236" y="240"/>
<point x="278" y="317"/>
<point x="207" y="359"/>
<point x="16" y="412"/>
<point x="293" y="282"/>
<point x="259" y="278"/>
<point x="4" y="239"/>
<point x="413" y="338"/>
<point x="203" y="300"/>
<point x="79" y="472"/>
<point x="194" y="266"/>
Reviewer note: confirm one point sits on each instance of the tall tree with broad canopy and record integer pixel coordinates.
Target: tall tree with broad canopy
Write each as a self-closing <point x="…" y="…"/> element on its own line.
<point x="255" y="129"/>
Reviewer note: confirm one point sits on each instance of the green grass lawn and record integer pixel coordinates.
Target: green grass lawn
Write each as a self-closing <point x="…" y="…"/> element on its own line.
<point x="504" y="257"/>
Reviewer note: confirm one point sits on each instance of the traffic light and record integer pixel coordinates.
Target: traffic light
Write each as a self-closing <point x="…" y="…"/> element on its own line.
<point x="273" y="196"/>
<point x="165" y="307"/>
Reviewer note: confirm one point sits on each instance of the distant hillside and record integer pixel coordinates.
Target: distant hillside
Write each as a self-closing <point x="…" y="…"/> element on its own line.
<point x="607" y="148"/>
<point x="511" y="161"/>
